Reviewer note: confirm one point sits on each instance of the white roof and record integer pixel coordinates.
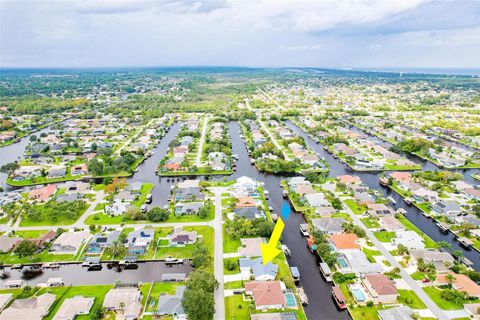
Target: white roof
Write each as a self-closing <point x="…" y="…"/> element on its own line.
<point x="409" y="239"/>
<point x="72" y="307"/>
<point x="32" y="308"/>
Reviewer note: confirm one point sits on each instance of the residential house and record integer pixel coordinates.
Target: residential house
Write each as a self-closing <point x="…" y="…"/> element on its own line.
<point x="355" y="261"/>
<point x="260" y="271"/>
<point x="125" y="300"/>
<point x="316" y="200"/>
<point x="409" y="239"/>
<point x="34" y="308"/>
<point x="117" y="208"/>
<point x="329" y="225"/>
<point x="267" y="294"/>
<point x="249" y="213"/>
<point x="189" y="194"/>
<point x="447" y="207"/>
<point x="180" y="237"/>
<point x="79" y="169"/>
<point x="380" y="288"/>
<point x="172" y="304"/>
<point x="396" y="313"/>
<point x="183" y="208"/>
<point x="250" y="247"/>
<point x="75" y="306"/>
<point x="5" y="299"/>
<point x="345" y="241"/>
<point x="139" y="240"/>
<point x="101" y="241"/>
<point x="8" y="243"/>
<point x="42" y="194"/>
<point x="69" y="242"/>
<point x="460" y="282"/>
<point x="379" y="209"/>
<point x="390" y="223"/>
<point x="217" y="160"/>
<point x="441" y="259"/>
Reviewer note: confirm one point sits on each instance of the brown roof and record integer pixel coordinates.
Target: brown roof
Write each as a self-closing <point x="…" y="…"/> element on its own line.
<point x="401" y="176"/>
<point x="266" y="293"/>
<point x="348" y="179"/>
<point x="461" y="283"/>
<point x="381" y="284"/>
<point x="345" y="241"/>
<point x="245" y="202"/>
<point x="304" y="189"/>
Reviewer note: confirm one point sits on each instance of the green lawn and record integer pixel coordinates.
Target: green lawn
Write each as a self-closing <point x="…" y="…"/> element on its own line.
<point x="98" y="292"/>
<point x="410" y="298"/>
<point x="384" y="236"/>
<point x="235" y="270"/>
<point x="356" y="208"/>
<point x="435" y="295"/>
<point x="158" y="289"/>
<point x="234" y="285"/>
<point x="370" y="223"/>
<point x="236" y="308"/>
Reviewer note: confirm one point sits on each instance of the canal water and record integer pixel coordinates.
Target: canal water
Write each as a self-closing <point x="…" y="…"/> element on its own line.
<point x="76" y="275"/>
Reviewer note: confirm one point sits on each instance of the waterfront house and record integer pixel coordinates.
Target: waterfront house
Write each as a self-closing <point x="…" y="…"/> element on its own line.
<point x="447" y="207"/>
<point x="442" y="260"/>
<point x="116" y="208"/>
<point x="380" y="288"/>
<point x="409" y="239"/>
<point x="124" y="300"/>
<point x="172" y="304"/>
<point x="260" y="271"/>
<point x="101" y="241"/>
<point x="5" y="299"/>
<point x="217" y="161"/>
<point x="34" y="308"/>
<point x="316" y="200"/>
<point x="188" y="194"/>
<point x="267" y="294"/>
<point x="69" y="242"/>
<point x="379" y="209"/>
<point x="390" y="223"/>
<point x="73" y="307"/>
<point x="249" y="213"/>
<point x="460" y="282"/>
<point x="139" y="240"/>
<point x="344" y="241"/>
<point x="8" y="243"/>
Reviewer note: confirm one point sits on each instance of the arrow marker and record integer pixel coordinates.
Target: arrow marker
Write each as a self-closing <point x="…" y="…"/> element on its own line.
<point x="285" y="210"/>
<point x="270" y="251"/>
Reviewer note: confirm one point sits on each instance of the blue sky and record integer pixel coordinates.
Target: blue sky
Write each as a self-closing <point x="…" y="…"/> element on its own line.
<point x="271" y="33"/>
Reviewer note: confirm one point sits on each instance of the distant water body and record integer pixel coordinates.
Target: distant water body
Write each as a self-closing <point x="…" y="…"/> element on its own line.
<point x="458" y="72"/>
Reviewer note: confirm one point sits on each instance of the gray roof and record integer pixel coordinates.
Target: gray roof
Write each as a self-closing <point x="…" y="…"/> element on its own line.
<point x="329" y="225"/>
<point x="396" y="313"/>
<point x="258" y="267"/>
<point x="168" y="304"/>
<point x="189" y="193"/>
<point x="248" y="212"/>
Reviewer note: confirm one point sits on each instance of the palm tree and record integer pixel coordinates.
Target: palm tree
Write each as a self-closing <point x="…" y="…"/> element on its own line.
<point x="450" y="278"/>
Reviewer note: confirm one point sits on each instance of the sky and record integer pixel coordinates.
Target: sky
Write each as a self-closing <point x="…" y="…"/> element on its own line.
<point x="256" y="33"/>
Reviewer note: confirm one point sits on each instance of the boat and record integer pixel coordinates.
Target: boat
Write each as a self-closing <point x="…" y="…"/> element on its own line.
<point x="443" y="228"/>
<point x="295" y="274"/>
<point x="302" y="295"/>
<point x="51" y="265"/>
<point x="325" y="271"/>
<point x="91" y="262"/>
<point x="149" y="198"/>
<point x="311" y="244"/>
<point x="266" y="194"/>
<point x="401" y="211"/>
<point x="383" y="181"/>
<point x="408" y="200"/>
<point x="17" y="267"/>
<point x="304" y="229"/>
<point x="171" y="261"/>
<point x="284" y="193"/>
<point x="252" y="161"/>
<point x="392" y="200"/>
<point x="285" y="250"/>
<point x="465" y="242"/>
<point x="339" y="298"/>
<point x="274" y="217"/>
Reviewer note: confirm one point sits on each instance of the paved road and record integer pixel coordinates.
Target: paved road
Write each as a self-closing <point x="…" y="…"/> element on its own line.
<point x="439" y="313"/>
<point x="270" y="98"/>
<point x="134" y="136"/>
<point x="218" y="255"/>
<point x="202" y="140"/>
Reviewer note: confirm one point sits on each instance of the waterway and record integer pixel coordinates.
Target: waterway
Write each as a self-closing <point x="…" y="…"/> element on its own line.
<point x="76" y="275"/>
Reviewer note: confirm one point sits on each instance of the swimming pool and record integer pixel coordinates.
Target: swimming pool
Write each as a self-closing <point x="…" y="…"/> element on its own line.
<point x="342" y="263"/>
<point x="290" y="298"/>
<point x="358" y="294"/>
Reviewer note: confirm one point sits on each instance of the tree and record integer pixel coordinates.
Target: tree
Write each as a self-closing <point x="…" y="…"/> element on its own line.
<point x="26" y="248"/>
<point x="97" y="313"/>
<point x="198" y="299"/>
<point x="158" y="214"/>
<point x="9" y="167"/>
<point x="337" y="203"/>
<point x="201" y="256"/>
<point x="204" y="211"/>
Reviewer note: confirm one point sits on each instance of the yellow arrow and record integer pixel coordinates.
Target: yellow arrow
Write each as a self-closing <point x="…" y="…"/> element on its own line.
<point x="270" y="251"/>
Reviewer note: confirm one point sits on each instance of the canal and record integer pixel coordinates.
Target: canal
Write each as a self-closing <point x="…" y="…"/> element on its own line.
<point x="76" y="275"/>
